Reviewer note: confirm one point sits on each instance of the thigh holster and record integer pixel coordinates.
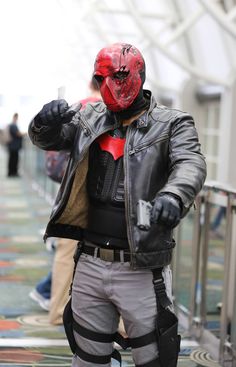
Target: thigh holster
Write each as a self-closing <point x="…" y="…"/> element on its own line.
<point x="72" y="326"/>
<point x="168" y="339"/>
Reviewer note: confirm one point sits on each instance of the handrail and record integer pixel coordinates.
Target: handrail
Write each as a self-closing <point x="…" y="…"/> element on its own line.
<point x="218" y="186"/>
<point x="200" y="250"/>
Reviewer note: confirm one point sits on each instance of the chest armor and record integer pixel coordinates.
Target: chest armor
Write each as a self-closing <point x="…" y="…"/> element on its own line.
<point x="106" y="219"/>
<point x="106" y="170"/>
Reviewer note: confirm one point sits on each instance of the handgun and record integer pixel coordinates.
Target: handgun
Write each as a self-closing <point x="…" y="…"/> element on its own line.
<point x="143" y="214"/>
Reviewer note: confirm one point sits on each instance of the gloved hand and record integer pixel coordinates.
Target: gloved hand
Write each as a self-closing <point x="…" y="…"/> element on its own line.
<point x="166" y="208"/>
<point x="55" y="112"/>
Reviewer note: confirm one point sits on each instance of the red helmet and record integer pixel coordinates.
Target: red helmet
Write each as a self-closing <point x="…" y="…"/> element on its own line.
<point x="120" y="71"/>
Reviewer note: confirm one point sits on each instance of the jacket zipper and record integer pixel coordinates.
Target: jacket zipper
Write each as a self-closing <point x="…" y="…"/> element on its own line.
<point x="127" y="195"/>
<point x="87" y="130"/>
<point x="126" y="187"/>
<point x="147" y="145"/>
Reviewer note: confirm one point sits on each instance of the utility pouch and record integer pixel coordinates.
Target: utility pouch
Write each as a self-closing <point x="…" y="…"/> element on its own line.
<point x="168" y="339"/>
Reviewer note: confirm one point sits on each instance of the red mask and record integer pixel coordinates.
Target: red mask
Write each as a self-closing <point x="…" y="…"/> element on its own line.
<point x="117" y="69"/>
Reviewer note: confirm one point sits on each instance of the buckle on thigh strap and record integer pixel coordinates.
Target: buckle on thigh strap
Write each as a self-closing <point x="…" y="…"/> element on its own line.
<point x="138" y="342"/>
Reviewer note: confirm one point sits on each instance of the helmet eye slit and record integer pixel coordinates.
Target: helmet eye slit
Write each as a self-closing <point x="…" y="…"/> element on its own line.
<point x="121" y="75"/>
<point x="99" y="78"/>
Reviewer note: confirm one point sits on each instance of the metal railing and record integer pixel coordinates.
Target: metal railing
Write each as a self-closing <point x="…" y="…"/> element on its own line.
<point x="209" y="312"/>
<point x="33" y="165"/>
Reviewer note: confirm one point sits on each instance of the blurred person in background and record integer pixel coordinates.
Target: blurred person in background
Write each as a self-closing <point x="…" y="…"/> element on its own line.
<point x="14" y="146"/>
<point x="42" y="292"/>
<point x="123" y="149"/>
<point x="52" y="292"/>
<point x="216" y="230"/>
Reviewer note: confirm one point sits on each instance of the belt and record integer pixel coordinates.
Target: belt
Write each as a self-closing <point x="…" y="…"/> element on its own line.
<point x="107" y="254"/>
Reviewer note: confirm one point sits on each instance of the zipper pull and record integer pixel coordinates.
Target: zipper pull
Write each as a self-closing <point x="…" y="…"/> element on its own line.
<point x="131" y="152"/>
<point x="86" y="131"/>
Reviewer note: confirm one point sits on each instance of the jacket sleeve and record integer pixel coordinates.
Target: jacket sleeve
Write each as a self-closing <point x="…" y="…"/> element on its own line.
<point x="187" y="166"/>
<point x="54" y="136"/>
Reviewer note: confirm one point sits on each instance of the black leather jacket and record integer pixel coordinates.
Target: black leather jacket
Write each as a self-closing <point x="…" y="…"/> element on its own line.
<point x="162" y="154"/>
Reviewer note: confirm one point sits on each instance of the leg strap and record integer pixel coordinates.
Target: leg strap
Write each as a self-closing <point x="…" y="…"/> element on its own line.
<point x="160" y="290"/>
<point x="138" y="342"/>
<point x="93" y="335"/>
<point x="97" y="359"/>
<point x="109" y="338"/>
<point x="125" y="343"/>
<point x="98" y="337"/>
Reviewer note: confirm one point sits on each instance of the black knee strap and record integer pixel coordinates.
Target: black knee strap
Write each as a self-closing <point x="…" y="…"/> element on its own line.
<point x="104" y="359"/>
<point x="141" y="341"/>
<point x="98" y="337"/>
<point x="109" y="338"/>
<point x="125" y="343"/>
<point x="93" y="335"/>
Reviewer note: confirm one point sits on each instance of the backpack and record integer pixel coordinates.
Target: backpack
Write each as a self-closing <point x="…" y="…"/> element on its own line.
<point x="56" y="163"/>
<point x="6" y="136"/>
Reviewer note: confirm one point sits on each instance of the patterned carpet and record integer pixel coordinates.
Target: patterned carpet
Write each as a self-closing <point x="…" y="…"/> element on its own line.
<point x="26" y="337"/>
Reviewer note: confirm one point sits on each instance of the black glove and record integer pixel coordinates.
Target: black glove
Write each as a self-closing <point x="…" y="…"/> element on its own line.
<point x="55" y="112"/>
<point x="166" y="208"/>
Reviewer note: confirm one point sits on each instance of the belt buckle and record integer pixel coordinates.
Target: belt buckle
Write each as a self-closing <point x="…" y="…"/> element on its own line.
<point x="106" y="255"/>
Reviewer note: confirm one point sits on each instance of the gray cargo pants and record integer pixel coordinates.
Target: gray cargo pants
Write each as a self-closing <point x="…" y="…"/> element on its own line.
<point x="102" y="291"/>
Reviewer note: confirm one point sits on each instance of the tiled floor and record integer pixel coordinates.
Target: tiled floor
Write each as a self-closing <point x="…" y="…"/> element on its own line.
<point x="27" y="339"/>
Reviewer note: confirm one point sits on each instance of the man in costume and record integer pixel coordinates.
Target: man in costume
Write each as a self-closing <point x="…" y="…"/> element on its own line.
<point x="135" y="168"/>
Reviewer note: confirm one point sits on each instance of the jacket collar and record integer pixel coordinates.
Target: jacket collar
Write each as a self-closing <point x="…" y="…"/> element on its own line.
<point x="143" y="120"/>
<point x="109" y="118"/>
